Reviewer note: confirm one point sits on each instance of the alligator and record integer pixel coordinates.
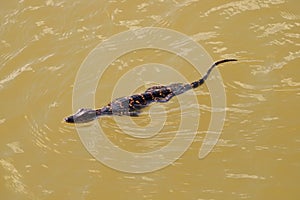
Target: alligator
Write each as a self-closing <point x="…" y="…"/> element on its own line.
<point x="132" y="105"/>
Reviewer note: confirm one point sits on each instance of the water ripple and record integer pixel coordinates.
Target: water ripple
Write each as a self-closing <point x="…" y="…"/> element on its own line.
<point x="237" y="7"/>
<point x="267" y="68"/>
<point x="13" y="178"/>
<point x="244" y="176"/>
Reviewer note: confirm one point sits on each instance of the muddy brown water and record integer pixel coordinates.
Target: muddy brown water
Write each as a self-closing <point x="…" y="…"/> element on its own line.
<point x="43" y="44"/>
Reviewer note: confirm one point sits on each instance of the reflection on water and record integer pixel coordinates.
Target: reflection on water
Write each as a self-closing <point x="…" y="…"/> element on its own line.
<point x="43" y="45"/>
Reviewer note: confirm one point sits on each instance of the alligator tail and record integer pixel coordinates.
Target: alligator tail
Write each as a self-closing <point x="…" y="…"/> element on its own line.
<point x="202" y="80"/>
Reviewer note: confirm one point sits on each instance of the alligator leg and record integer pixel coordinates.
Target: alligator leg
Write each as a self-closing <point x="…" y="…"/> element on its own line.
<point x="134" y="113"/>
<point x="150" y="89"/>
<point x="165" y="99"/>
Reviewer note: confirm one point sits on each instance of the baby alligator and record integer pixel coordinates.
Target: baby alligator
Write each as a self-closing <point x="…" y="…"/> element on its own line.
<point x="132" y="105"/>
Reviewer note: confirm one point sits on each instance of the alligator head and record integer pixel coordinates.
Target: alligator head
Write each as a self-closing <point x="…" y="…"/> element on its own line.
<point x="83" y="115"/>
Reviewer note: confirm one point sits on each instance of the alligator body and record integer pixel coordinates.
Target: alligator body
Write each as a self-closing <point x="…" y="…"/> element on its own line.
<point x="132" y="105"/>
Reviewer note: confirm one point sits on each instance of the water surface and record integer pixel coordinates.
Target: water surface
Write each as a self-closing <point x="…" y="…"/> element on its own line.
<point x="43" y="44"/>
